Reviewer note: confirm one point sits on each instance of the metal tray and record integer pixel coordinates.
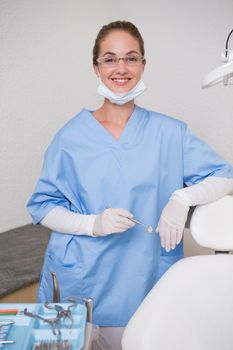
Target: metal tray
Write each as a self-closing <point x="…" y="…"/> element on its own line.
<point x="27" y="331"/>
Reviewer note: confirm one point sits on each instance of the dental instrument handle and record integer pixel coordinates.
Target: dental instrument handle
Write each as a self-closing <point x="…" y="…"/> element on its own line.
<point x="56" y="290"/>
<point x="5" y="342"/>
<point x="137" y="222"/>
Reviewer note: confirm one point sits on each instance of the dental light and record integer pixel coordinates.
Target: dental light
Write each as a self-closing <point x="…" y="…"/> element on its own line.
<point x="223" y="73"/>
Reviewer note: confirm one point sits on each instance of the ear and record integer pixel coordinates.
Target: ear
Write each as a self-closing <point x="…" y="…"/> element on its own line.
<point x="144" y="64"/>
<point x="95" y="67"/>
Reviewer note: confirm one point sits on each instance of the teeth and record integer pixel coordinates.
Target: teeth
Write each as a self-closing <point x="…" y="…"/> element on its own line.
<point x="120" y="80"/>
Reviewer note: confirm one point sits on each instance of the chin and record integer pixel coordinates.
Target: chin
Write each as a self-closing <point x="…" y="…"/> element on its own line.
<point x="122" y="89"/>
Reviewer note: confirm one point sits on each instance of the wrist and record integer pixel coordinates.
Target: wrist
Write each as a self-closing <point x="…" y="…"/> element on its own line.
<point x="86" y="224"/>
<point x="181" y="199"/>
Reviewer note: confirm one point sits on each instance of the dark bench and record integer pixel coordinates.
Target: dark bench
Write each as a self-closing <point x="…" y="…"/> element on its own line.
<point x="21" y="257"/>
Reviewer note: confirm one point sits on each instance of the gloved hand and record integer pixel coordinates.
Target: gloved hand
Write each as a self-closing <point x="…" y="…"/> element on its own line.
<point x="112" y="220"/>
<point x="171" y="224"/>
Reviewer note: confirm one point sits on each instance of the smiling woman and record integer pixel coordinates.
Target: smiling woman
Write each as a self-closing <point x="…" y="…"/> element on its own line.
<point x="107" y="167"/>
<point x="119" y="62"/>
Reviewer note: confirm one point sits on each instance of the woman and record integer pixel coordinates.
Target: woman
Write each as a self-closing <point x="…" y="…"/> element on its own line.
<point x="108" y="166"/>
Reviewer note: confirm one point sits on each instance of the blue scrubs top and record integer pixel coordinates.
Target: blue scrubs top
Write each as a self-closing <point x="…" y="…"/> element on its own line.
<point x="87" y="170"/>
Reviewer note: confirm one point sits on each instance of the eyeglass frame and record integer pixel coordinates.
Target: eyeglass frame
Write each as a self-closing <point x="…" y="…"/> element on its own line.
<point x="140" y="59"/>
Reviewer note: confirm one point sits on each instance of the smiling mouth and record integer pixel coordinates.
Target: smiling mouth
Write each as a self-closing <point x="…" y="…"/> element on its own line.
<point x="121" y="81"/>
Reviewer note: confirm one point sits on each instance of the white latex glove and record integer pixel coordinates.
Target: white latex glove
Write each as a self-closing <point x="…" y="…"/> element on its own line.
<point x="171" y="224"/>
<point x="112" y="220"/>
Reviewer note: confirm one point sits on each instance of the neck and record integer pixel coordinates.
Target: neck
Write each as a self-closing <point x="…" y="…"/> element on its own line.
<point x="111" y="112"/>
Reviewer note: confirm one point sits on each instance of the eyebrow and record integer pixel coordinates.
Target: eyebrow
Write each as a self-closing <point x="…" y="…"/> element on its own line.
<point x="127" y="53"/>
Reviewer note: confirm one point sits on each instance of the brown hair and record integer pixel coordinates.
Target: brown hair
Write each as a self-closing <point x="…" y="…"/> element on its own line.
<point x="117" y="25"/>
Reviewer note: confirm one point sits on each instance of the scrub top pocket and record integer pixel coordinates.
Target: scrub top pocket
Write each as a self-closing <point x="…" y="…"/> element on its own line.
<point x="65" y="260"/>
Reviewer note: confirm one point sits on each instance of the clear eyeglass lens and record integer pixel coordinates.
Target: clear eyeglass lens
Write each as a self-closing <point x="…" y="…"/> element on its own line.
<point x="111" y="61"/>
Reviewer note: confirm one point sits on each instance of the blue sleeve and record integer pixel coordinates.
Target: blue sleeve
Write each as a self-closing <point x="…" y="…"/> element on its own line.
<point x="52" y="188"/>
<point x="46" y="196"/>
<point x="201" y="161"/>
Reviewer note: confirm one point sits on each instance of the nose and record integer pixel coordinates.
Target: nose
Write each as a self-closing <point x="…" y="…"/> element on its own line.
<point x="122" y="59"/>
<point x="121" y="66"/>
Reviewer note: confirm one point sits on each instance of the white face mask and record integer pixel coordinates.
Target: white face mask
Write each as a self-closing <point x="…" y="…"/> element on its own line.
<point x="121" y="98"/>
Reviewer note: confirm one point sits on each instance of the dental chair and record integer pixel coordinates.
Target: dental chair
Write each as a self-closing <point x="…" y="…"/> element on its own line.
<point x="191" y="306"/>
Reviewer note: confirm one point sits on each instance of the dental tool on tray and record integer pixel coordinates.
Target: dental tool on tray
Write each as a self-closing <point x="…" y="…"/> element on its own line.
<point x="5" y="326"/>
<point x="52" y="345"/>
<point x="10" y="312"/>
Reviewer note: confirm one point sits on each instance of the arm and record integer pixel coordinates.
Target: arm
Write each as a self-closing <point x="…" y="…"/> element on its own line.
<point x="174" y="215"/>
<point x="208" y="178"/>
<point x="207" y="191"/>
<point x="112" y="220"/>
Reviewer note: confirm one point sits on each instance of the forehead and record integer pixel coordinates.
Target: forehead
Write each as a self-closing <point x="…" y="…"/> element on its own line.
<point x="119" y="42"/>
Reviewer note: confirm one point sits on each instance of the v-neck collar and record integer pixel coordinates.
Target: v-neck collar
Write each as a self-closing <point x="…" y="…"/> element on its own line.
<point x="127" y="132"/>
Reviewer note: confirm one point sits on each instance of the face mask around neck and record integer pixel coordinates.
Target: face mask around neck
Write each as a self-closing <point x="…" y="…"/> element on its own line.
<point x="121" y="98"/>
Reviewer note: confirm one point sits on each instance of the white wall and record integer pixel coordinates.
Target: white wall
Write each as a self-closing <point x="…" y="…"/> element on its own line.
<point x="46" y="76"/>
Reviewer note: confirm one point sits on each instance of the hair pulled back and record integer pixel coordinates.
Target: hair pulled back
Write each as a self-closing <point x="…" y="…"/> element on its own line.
<point x="125" y="26"/>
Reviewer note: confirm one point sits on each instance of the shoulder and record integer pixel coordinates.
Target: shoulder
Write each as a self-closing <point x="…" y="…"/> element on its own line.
<point x="69" y="132"/>
<point x="73" y="124"/>
<point x="162" y="120"/>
